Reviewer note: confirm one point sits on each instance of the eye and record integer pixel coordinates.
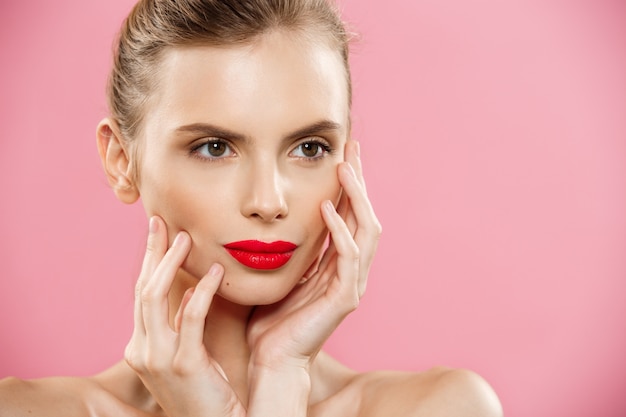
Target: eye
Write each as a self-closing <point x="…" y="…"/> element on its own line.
<point x="213" y="149"/>
<point x="311" y="149"/>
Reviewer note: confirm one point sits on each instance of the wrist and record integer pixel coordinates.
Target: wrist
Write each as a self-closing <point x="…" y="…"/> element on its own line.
<point x="278" y="359"/>
<point x="279" y="391"/>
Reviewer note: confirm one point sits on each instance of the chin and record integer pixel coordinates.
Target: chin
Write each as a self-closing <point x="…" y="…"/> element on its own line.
<point x="251" y="300"/>
<point x="250" y="287"/>
<point x="256" y="288"/>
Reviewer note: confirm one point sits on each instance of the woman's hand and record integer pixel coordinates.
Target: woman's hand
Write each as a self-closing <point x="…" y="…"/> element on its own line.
<point x="291" y="332"/>
<point x="173" y="362"/>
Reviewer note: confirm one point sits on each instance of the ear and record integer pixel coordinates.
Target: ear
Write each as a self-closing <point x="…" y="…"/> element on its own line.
<point x="116" y="161"/>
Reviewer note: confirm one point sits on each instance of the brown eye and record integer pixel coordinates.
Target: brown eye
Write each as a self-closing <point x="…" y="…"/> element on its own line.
<point x="310" y="149"/>
<point x="213" y="150"/>
<point x="216" y="148"/>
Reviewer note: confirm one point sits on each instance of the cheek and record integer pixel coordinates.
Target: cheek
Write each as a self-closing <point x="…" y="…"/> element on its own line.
<point x="309" y="195"/>
<point x="169" y="203"/>
<point x="183" y="204"/>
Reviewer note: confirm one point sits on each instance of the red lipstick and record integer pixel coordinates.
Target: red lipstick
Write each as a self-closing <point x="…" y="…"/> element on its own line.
<point x="261" y="255"/>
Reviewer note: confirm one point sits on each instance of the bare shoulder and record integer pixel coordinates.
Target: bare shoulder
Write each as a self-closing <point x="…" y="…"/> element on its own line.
<point x="62" y="397"/>
<point x="439" y="392"/>
<point x="43" y="397"/>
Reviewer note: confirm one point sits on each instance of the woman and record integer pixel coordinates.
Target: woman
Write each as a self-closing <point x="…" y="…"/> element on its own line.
<point x="231" y="121"/>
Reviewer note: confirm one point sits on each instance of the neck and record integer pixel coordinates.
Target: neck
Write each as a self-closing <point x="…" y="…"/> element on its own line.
<point x="224" y="333"/>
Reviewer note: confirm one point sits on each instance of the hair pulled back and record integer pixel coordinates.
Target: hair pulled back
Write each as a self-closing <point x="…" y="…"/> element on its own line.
<point x="153" y="26"/>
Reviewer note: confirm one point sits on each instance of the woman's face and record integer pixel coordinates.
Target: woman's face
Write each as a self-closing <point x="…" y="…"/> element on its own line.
<point x="242" y="144"/>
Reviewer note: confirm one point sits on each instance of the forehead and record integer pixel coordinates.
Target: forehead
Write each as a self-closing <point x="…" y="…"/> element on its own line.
<point x="277" y="82"/>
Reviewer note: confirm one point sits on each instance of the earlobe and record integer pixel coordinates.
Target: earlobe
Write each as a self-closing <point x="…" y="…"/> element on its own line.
<point x="115" y="160"/>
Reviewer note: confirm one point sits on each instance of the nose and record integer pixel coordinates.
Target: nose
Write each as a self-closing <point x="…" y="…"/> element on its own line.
<point x="265" y="193"/>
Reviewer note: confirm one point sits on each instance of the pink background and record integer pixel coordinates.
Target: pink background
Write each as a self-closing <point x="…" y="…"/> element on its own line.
<point x="494" y="140"/>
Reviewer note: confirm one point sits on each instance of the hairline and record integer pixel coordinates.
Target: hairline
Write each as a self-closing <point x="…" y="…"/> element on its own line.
<point x="303" y="34"/>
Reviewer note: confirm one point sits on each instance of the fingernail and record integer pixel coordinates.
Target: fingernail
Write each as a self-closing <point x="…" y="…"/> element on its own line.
<point x="153" y="225"/>
<point x="350" y="170"/>
<point x="357" y="148"/>
<point x="180" y="237"/>
<point x="328" y="206"/>
<point x="215" y="270"/>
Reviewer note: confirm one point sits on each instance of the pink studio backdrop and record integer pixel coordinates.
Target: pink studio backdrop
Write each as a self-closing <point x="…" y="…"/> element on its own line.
<point x="494" y="140"/>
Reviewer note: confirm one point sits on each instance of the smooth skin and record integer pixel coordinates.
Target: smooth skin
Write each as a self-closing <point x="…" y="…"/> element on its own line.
<point x="248" y="142"/>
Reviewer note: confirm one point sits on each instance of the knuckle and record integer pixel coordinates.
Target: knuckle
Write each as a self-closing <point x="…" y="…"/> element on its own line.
<point x="354" y="304"/>
<point x="351" y="301"/>
<point x="132" y="363"/>
<point x="356" y="256"/>
<point x="147" y="295"/>
<point x="355" y="253"/>
<point x="193" y="315"/>
<point x="362" y="289"/>
<point x="151" y="245"/>
<point x="145" y="361"/>
<point x="134" y="359"/>
<point x="181" y="366"/>
<point x="378" y="228"/>
<point x="154" y="365"/>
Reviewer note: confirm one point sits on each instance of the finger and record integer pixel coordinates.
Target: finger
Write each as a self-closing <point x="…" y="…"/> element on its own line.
<point x="328" y="253"/>
<point x="156" y="246"/>
<point x="347" y="261"/>
<point x="342" y="207"/>
<point x="179" y="314"/>
<point x="344" y="210"/>
<point x="368" y="227"/>
<point x="196" y="310"/>
<point x="353" y="157"/>
<point x="154" y="294"/>
<point x="358" y="201"/>
<point x="328" y="257"/>
<point x="326" y="275"/>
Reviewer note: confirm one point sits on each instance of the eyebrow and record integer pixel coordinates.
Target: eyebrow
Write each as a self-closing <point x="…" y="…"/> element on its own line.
<point x="207" y="129"/>
<point x="315" y="128"/>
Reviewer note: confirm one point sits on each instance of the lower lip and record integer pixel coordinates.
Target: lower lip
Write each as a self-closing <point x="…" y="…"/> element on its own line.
<point x="258" y="260"/>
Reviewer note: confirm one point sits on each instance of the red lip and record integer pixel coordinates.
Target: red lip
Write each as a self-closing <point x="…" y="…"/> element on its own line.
<point x="261" y="255"/>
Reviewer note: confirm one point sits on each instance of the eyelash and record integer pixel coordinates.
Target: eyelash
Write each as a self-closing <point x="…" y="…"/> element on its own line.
<point x="196" y="150"/>
<point x="326" y="149"/>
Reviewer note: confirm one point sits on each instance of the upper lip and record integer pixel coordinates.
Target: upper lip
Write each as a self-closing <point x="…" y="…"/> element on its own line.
<point x="257" y="246"/>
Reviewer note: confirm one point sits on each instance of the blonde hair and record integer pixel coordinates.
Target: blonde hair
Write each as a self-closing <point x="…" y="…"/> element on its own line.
<point x="153" y="26"/>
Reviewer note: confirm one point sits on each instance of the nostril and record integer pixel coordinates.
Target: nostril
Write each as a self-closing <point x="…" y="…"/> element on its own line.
<point x="265" y="199"/>
<point x="267" y="212"/>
